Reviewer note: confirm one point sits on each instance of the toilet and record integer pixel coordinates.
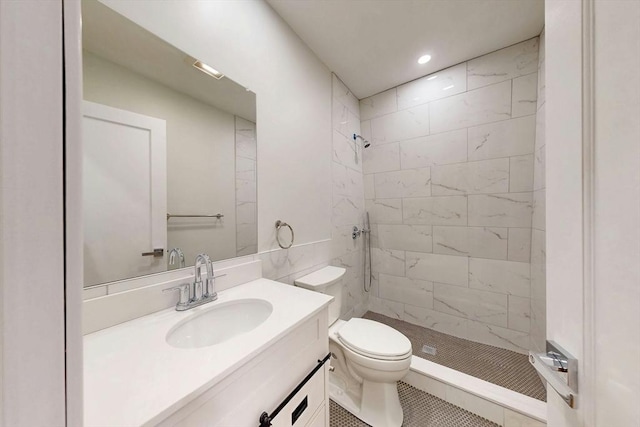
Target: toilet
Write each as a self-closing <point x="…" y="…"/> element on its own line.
<point x="368" y="357"/>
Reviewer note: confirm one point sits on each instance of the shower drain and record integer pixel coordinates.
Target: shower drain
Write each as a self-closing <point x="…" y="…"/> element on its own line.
<point x="429" y="349"/>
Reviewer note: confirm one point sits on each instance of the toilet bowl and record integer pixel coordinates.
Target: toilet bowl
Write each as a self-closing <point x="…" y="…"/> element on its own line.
<point x="368" y="357"/>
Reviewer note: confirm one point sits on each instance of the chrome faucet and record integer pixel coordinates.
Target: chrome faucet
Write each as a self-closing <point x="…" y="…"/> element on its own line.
<point x="197" y="293"/>
<point x="172" y="257"/>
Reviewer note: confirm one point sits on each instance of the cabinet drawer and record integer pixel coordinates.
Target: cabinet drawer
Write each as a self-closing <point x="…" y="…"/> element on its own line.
<point x="304" y="405"/>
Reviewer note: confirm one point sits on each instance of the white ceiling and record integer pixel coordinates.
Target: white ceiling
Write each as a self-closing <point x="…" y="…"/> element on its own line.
<point x="374" y="45"/>
<point x="117" y="39"/>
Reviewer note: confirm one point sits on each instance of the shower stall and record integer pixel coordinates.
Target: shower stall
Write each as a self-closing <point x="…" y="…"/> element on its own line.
<point x="454" y="182"/>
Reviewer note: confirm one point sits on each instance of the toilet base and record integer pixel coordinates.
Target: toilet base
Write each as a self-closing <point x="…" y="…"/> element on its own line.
<point x="377" y="404"/>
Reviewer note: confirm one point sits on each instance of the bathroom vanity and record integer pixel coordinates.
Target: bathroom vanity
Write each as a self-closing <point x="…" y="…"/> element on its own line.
<point x="220" y="364"/>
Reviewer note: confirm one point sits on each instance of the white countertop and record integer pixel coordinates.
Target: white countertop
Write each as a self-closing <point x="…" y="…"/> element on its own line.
<point x="132" y="376"/>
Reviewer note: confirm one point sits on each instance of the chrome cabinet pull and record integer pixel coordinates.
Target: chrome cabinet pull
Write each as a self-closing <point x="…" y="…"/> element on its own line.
<point x="156" y="253"/>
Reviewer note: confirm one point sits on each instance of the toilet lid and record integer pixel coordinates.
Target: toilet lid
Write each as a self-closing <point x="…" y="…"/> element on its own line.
<point x="371" y="338"/>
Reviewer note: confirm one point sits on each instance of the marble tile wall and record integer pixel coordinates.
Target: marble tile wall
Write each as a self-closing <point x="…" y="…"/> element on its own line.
<point x="449" y="183"/>
<point x="246" y="187"/>
<point x="538" y="249"/>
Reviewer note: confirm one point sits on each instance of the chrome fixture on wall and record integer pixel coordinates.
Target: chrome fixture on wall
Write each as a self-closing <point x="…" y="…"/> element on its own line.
<point x="365" y="143"/>
<point x="366" y="232"/>
<point x="279" y="225"/>
<point x="176" y="252"/>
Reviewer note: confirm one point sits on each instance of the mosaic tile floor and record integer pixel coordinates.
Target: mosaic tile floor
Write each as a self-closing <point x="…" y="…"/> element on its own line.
<point x="420" y="410"/>
<point x="499" y="366"/>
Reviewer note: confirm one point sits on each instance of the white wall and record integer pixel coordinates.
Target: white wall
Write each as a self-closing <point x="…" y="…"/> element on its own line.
<point x="616" y="213"/>
<point x="449" y="185"/>
<point x="32" y="313"/>
<point x="246" y="187"/>
<point x="250" y="43"/>
<point x="200" y="154"/>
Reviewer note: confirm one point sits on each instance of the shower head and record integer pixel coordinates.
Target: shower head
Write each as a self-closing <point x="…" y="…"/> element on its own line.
<point x="365" y="143"/>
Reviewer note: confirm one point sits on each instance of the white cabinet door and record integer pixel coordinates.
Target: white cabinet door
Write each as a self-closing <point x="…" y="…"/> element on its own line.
<point x="124" y="193"/>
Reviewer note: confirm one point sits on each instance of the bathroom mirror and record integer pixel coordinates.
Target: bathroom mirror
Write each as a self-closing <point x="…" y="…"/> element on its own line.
<point x="169" y="158"/>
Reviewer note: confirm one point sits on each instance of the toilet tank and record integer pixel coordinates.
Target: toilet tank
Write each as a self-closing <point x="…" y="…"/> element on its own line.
<point x="327" y="280"/>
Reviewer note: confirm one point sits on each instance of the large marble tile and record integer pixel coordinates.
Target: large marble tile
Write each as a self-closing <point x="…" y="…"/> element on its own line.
<point x="385" y="211"/>
<point x="440" y="149"/>
<point x="245" y="191"/>
<point x="521" y="173"/>
<point x="345" y="152"/>
<point x="519" y="313"/>
<point x="379" y="104"/>
<point x="504" y="64"/>
<point x="403" y="183"/>
<point x="388" y="261"/>
<point x="392" y="309"/>
<point x="344" y="121"/>
<point x="382" y="158"/>
<point x="500" y="210"/>
<point x="452" y="270"/>
<point x="540" y="128"/>
<point x="483" y="242"/>
<point x="487" y="176"/>
<point x="539" y="210"/>
<point x="406" y="290"/>
<point x="538" y="169"/>
<point x="441" y="210"/>
<point x="504" y="277"/>
<point x="541" y="70"/>
<point x="346" y="210"/>
<point x="246" y="213"/>
<point x="484" y="105"/>
<point x="369" y="186"/>
<point x="538" y="325"/>
<point x="438" y="321"/>
<point x="401" y="125"/>
<point x="519" y="244"/>
<point x="342" y="94"/>
<point x="415" y="238"/>
<point x="246" y="145"/>
<point x="498" y="336"/>
<point x="486" y="307"/>
<point x="245" y="169"/>
<point x="444" y="83"/>
<point x="525" y="95"/>
<point x="506" y="138"/>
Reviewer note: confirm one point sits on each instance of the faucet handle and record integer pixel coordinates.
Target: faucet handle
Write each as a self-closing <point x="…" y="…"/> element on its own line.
<point x="184" y="298"/>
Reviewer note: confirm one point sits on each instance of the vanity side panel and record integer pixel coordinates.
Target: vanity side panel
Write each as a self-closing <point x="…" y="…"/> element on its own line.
<point x="261" y="384"/>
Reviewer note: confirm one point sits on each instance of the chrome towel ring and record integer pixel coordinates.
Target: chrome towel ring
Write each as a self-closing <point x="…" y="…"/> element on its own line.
<point x="279" y="225"/>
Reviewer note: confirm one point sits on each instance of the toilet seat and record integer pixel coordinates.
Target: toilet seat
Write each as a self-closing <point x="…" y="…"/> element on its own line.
<point x="374" y="340"/>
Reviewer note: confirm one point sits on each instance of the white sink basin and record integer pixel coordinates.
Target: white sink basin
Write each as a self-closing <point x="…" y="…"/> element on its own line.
<point x="219" y="323"/>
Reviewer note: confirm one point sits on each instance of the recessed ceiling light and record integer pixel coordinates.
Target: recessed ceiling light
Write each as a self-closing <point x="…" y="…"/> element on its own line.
<point x="448" y="87"/>
<point x="432" y="77"/>
<point x="208" y="69"/>
<point x="424" y="59"/>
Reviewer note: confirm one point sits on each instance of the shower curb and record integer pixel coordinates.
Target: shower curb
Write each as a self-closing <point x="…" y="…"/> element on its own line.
<point x="504" y="407"/>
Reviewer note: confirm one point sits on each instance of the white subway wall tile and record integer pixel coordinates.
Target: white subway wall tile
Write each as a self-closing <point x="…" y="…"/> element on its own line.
<point x="481" y="306"/>
<point x="501" y="210"/>
<point x="401" y="125"/>
<point x="404" y="183"/>
<point x="452" y="270"/>
<point x="502" y="139"/>
<point x="487" y="176"/>
<point x="379" y="104"/>
<point x="482" y="242"/>
<point x="503" y="64"/>
<point x="405" y="290"/>
<point x="519" y="244"/>
<point x="484" y="105"/>
<point x="440" y="149"/>
<point x="383" y="158"/>
<point x="505" y="277"/>
<point x="521" y="173"/>
<point x="438" y="85"/>
<point x="525" y="95"/>
<point x="416" y="238"/>
<point x="441" y="210"/>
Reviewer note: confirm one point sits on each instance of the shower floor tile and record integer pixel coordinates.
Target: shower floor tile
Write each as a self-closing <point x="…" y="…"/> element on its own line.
<point x="505" y="368"/>
<point x="420" y="410"/>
